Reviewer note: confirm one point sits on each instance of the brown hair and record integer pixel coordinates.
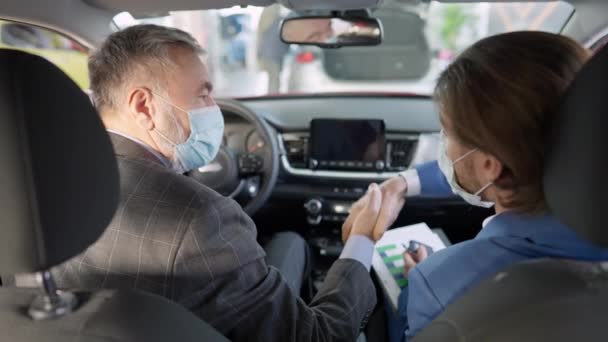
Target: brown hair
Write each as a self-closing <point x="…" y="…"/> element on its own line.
<point x="498" y="96"/>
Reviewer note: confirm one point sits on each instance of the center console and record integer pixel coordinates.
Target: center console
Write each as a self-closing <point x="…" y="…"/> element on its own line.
<point x="327" y="167"/>
<point x="337" y="159"/>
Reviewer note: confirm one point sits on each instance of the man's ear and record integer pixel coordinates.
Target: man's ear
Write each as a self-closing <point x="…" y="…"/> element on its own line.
<point x="141" y="108"/>
<point x="492" y="168"/>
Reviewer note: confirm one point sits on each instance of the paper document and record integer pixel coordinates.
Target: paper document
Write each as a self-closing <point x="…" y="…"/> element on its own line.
<point x="388" y="256"/>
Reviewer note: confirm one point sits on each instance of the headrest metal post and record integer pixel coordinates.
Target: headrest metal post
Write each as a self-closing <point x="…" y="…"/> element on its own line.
<point x="51" y="303"/>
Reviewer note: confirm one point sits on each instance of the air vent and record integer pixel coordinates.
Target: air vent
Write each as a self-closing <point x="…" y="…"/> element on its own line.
<point x="400" y="152"/>
<point x="296" y="150"/>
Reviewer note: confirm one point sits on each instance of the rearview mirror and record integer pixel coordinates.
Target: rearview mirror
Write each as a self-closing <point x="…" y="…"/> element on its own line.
<point x="331" y="32"/>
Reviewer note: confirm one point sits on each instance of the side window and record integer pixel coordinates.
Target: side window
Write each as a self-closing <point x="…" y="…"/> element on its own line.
<point x="65" y="53"/>
<point x="598" y="45"/>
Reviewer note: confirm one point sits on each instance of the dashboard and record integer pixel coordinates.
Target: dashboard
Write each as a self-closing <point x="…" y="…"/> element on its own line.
<point x="405" y="127"/>
<point x="241" y="136"/>
<point x="413" y="114"/>
<point x="410" y="126"/>
<point x="316" y="197"/>
<point x="327" y="150"/>
<point x="410" y="130"/>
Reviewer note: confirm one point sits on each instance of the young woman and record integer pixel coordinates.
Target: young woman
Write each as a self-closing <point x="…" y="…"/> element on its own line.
<point x="495" y="101"/>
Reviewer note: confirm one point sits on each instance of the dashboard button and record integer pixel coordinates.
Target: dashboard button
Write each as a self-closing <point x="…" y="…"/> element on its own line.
<point x="314" y="206"/>
<point x="314" y="220"/>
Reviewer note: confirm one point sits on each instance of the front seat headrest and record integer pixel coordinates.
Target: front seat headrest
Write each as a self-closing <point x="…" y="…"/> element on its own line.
<point x="576" y="169"/>
<point x="58" y="174"/>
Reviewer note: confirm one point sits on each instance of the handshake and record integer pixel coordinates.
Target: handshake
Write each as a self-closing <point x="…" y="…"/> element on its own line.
<point x="377" y="210"/>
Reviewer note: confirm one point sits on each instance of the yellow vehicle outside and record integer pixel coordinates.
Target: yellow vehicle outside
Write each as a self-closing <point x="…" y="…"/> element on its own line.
<point x="66" y="54"/>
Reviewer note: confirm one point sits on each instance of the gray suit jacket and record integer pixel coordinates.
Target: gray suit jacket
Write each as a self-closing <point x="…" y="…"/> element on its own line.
<point x="177" y="238"/>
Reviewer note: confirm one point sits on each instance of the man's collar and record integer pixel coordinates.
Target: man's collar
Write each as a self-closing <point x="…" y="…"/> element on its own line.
<point x="133" y="148"/>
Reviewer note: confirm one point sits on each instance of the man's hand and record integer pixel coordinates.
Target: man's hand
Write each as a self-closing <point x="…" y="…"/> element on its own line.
<point x="393" y="199"/>
<point x="413" y="259"/>
<point x="367" y="216"/>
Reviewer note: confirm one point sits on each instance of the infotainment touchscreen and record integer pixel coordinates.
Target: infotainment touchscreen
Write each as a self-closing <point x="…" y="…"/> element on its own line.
<point x="347" y="144"/>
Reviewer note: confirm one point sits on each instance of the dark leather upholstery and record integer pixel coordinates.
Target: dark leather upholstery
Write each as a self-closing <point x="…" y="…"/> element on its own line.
<point x="57" y="169"/>
<point x="59" y="183"/>
<point x="549" y="299"/>
<point x="544" y="300"/>
<point x="109" y="316"/>
<point x="577" y="161"/>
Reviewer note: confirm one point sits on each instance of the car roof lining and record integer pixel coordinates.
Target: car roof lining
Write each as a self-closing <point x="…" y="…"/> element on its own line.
<point x="89" y="21"/>
<point x="80" y="21"/>
<point x="146" y="8"/>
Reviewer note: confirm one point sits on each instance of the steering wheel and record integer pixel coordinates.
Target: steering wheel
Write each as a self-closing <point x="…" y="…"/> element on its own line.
<point x="249" y="178"/>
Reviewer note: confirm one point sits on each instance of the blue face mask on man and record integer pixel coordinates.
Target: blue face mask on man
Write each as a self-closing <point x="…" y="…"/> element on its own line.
<point x="203" y="144"/>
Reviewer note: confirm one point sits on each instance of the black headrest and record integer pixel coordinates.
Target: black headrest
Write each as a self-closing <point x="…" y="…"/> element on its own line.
<point x="58" y="175"/>
<point x="576" y="174"/>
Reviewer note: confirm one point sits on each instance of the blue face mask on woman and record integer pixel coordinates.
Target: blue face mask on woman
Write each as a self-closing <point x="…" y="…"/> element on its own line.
<point x="447" y="168"/>
<point x="203" y="144"/>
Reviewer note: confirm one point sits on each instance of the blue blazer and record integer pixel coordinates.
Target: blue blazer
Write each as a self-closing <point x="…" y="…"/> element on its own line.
<point x="508" y="238"/>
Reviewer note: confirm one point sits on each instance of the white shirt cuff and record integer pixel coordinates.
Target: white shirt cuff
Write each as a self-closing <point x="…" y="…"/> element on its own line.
<point x="413" y="182"/>
<point x="359" y="248"/>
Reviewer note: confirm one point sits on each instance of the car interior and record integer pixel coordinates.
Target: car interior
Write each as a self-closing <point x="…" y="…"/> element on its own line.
<point x="271" y="163"/>
<point x="41" y="230"/>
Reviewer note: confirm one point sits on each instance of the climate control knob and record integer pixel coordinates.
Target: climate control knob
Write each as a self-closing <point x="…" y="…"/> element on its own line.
<point x="314" y="206"/>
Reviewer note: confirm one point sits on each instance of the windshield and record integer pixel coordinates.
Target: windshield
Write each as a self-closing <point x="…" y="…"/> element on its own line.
<point x="246" y="57"/>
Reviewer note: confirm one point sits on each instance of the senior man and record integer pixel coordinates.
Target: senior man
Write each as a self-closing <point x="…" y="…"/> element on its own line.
<point x="177" y="238"/>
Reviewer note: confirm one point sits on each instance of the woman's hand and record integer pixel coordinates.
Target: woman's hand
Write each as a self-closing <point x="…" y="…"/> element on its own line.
<point x="365" y="221"/>
<point x="413" y="259"/>
<point x="393" y="199"/>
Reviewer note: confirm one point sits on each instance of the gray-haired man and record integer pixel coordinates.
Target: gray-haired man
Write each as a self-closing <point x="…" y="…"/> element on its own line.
<point x="177" y="238"/>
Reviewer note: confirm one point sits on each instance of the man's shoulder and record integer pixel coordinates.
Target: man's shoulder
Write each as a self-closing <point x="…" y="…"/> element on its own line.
<point x="208" y="218"/>
<point x="144" y="180"/>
